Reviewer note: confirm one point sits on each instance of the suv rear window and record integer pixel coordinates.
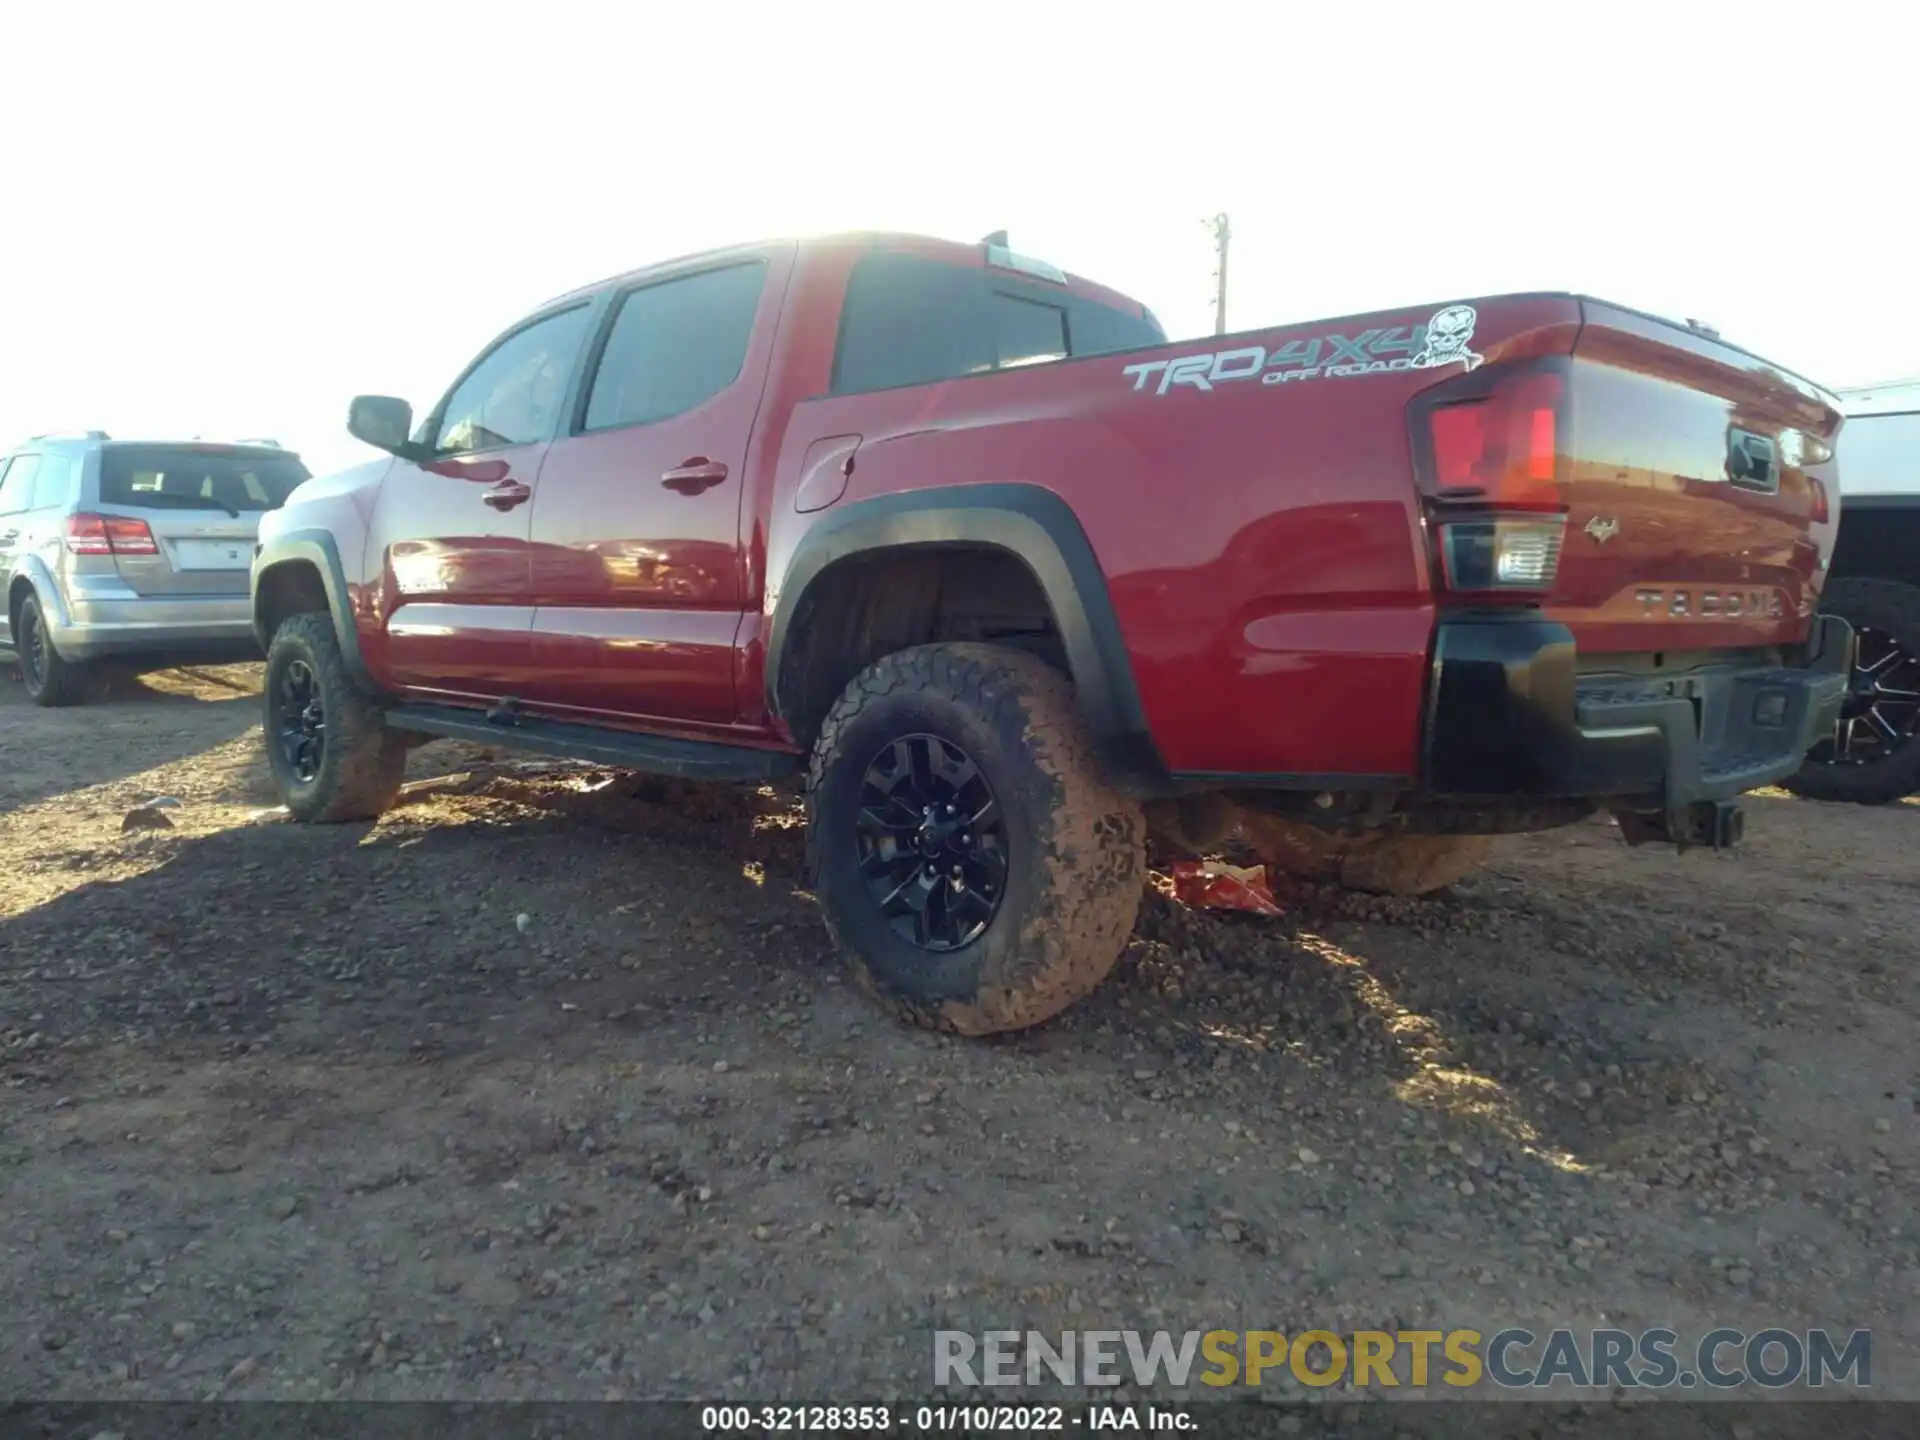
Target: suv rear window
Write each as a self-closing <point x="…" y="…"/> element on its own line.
<point x="911" y="321"/>
<point x="161" y="477"/>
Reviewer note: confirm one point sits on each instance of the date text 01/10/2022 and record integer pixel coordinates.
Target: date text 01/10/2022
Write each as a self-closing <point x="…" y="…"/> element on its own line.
<point x="940" y="1419"/>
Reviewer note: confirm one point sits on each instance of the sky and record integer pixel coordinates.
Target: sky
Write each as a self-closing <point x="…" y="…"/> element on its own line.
<point x="227" y="220"/>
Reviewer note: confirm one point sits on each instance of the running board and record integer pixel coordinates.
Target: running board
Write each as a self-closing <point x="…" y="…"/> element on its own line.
<point x="681" y="759"/>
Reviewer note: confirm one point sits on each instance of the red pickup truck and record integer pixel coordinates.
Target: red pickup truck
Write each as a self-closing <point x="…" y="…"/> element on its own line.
<point x="1010" y="581"/>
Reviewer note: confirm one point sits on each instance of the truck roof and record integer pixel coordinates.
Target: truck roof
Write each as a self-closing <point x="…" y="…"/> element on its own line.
<point x="929" y="246"/>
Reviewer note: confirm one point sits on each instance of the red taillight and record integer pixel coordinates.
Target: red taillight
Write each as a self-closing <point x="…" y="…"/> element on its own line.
<point x="109" y="535"/>
<point x="1489" y="452"/>
<point x="1818" y="493"/>
<point x="1502" y="447"/>
<point x="87" y="535"/>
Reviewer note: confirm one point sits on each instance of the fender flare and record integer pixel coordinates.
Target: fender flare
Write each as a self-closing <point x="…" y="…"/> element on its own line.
<point x="318" y="549"/>
<point x="40" y="582"/>
<point x="1035" y="526"/>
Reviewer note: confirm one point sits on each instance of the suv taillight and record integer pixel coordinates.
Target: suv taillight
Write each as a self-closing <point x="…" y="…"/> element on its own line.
<point x="1489" y="449"/>
<point x="109" y="535"/>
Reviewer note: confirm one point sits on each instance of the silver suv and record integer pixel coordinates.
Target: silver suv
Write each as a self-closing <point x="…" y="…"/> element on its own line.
<point x="118" y="548"/>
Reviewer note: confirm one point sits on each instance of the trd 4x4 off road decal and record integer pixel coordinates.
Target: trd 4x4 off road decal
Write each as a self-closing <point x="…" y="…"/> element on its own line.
<point x="1443" y="340"/>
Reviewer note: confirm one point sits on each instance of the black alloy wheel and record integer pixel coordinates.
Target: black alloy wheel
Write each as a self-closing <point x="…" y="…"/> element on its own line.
<point x="1872" y="756"/>
<point x="300" y="721"/>
<point x="1882" y="710"/>
<point x="973" y="863"/>
<point x="932" y="842"/>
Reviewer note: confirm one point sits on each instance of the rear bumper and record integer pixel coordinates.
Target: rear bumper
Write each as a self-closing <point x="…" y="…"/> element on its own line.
<point x="1510" y="714"/>
<point x="92" y="627"/>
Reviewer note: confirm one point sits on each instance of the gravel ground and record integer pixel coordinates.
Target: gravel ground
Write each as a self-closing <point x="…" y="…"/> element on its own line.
<point x="546" y="1086"/>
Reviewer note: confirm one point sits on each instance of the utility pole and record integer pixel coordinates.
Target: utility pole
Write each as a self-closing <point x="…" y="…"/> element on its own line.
<point x="1221" y="234"/>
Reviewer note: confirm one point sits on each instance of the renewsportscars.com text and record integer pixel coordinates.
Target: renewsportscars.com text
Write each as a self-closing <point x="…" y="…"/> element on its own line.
<point x="1510" y="1359"/>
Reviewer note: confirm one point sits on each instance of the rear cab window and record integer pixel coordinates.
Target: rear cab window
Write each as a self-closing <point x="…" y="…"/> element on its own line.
<point x="176" y="477"/>
<point x="910" y="320"/>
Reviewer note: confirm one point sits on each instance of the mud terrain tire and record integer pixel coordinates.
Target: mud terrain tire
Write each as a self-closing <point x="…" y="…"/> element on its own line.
<point x="1383" y="864"/>
<point x="1894" y="610"/>
<point x="51" y="681"/>
<point x="360" y="762"/>
<point x="1074" y="846"/>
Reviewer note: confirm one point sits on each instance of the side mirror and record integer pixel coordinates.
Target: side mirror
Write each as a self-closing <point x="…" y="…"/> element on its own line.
<point x="382" y="422"/>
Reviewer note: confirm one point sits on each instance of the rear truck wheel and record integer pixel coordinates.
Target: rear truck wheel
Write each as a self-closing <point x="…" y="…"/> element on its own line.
<point x="50" y="679"/>
<point x="331" y="755"/>
<point x="1380" y="862"/>
<point x="974" y="865"/>
<point x="1873" y="756"/>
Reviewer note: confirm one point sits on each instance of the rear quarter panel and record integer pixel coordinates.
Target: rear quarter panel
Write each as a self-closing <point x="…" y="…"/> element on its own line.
<point x="1261" y="537"/>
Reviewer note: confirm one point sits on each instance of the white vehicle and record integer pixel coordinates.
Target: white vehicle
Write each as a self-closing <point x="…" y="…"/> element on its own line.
<point x="1873" y="756"/>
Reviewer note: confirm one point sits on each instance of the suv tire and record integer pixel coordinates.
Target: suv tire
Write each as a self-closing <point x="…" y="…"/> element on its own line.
<point x="1893" y="610"/>
<point x="1376" y="862"/>
<point x="50" y="680"/>
<point x="331" y="754"/>
<point x="965" y="773"/>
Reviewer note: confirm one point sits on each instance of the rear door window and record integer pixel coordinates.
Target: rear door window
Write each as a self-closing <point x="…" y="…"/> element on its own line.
<point x="159" y="477"/>
<point x="16" y="487"/>
<point x="675" y="346"/>
<point x="908" y="320"/>
<point x="52" y="484"/>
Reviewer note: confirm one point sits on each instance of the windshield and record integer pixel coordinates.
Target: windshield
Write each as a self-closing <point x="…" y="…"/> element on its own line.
<point x="186" y="478"/>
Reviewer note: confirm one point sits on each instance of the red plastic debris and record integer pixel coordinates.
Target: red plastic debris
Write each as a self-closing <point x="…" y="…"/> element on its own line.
<point x="1213" y="885"/>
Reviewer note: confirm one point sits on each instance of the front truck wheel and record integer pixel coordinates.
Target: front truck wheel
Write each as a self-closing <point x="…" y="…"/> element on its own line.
<point x="331" y="754"/>
<point x="1379" y="862"/>
<point x="974" y="865"/>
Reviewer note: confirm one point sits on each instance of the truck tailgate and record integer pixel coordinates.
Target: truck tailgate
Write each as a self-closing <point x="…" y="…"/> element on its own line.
<point x="1701" y="499"/>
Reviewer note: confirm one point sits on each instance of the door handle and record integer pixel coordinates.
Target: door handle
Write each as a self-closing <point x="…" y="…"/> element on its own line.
<point x="696" y="475"/>
<point x="507" y="494"/>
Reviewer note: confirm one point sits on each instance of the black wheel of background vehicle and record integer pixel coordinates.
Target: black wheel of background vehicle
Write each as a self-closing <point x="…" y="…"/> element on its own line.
<point x="50" y="679"/>
<point x="1873" y="755"/>
<point x="331" y="755"/>
<point x="974" y="865"/>
<point x="1379" y="862"/>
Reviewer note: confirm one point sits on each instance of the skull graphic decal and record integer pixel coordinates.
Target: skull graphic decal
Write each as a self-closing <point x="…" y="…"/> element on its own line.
<point x="1448" y="335"/>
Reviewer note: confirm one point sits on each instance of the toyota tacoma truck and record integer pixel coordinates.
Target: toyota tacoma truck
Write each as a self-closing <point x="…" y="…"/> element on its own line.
<point x="961" y="543"/>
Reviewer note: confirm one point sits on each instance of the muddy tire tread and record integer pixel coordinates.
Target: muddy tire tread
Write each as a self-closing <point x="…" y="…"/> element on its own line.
<point x="1092" y="846"/>
<point x="1378" y="863"/>
<point x="365" y="763"/>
